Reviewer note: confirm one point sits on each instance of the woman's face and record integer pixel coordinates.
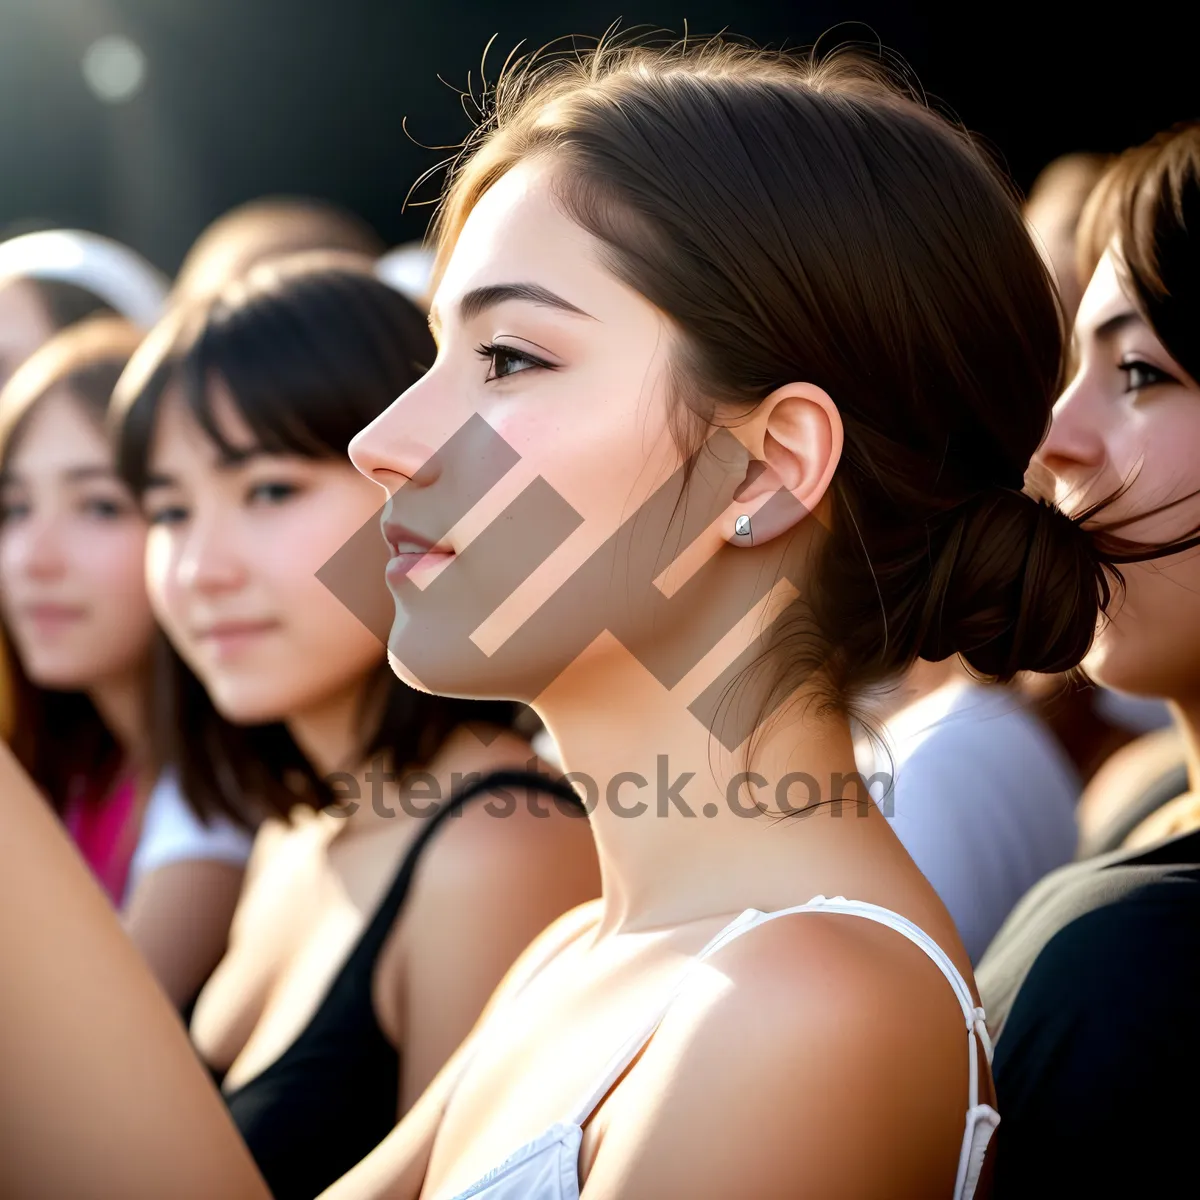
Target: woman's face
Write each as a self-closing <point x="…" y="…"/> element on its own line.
<point x="72" y="548"/>
<point x="231" y="560"/>
<point x="567" y="365"/>
<point x="1131" y="415"/>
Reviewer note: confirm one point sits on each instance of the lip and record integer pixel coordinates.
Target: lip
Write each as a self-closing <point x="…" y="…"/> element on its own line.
<point x="229" y="637"/>
<point x="52" y="618"/>
<point x="411" y="553"/>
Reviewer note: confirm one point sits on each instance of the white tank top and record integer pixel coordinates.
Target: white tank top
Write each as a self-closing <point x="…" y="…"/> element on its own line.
<point x="547" y="1168"/>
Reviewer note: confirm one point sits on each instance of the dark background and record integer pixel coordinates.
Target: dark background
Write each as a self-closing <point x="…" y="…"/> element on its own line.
<point x="246" y="97"/>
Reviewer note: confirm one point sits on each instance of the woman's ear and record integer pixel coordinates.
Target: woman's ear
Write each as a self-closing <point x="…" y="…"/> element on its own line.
<point x="795" y="438"/>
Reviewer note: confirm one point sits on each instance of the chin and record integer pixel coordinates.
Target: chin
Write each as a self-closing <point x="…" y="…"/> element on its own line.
<point x="60" y="670"/>
<point x="54" y="677"/>
<point x="248" y="708"/>
<point x="406" y="676"/>
<point x="459" y="682"/>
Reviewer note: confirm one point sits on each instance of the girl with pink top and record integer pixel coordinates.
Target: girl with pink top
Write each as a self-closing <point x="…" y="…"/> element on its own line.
<point x="77" y="638"/>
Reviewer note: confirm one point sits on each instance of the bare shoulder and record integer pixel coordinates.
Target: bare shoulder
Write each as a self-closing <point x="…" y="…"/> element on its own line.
<point x="852" y="1045"/>
<point x="507" y="832"/>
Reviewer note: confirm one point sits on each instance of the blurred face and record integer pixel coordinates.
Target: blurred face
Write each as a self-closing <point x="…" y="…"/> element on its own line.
<point x="72" y="547"/>
<point x="231" y="561"/>
<point x="567" y="364"/>
<point x="24" y="325"/>
<point x="1131" y="415"/>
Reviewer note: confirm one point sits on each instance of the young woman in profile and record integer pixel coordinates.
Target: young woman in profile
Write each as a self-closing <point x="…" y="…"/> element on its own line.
<point x="1094" y="980"/>
<point x="78" y="636"/>
<point x="776" y="337"/>
<point x="363" y="947"/>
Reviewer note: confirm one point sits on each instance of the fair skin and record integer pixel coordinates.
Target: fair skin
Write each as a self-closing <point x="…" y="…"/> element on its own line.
<point x="1131" y="415"/>
<point x="74" y="603"/>
<point x="768" y="1077"/>
<point x="232" y="558"/>
<point x="676" y="1123"/>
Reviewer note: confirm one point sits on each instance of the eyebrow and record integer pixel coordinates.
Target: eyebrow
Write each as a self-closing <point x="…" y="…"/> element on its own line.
<point x="71" y="475"/>
<point x="229" y="460"/>
<point x="82" y="474"/>
<point x="1103" y="332"/>
<point x="1110" y="328"/>
<point x="480" y="299"/>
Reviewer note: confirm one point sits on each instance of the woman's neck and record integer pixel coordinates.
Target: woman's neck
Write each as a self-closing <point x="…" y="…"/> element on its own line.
<point x="678" y="840"/>
<point x="329" y="730"/>
<point x="121" y="702"/>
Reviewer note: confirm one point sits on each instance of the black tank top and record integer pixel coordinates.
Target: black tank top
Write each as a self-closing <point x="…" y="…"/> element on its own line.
<point x="332" y="1096"/>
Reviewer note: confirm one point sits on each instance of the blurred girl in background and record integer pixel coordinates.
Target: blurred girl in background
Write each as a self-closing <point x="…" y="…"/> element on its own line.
<point x="1094" y="981"/>
<point x="80" y="633"/>
<point x="364" y="947"/>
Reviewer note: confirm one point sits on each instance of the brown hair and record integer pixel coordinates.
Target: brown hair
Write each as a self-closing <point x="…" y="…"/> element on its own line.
<point x="1148" y="203"/>
<point x="58" y="736"/>
<point x="808" y="220"/>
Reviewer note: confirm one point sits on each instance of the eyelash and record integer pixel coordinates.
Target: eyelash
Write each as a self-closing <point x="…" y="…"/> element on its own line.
<point x="101" y="508"/>
<point x="105" y="509"/>
<point x="172" y="514"/>
<point x="260" y="493"/>
<point x="281" y="492"/>
<point x="491" y="352"/>
<point x="1157" y="376"/>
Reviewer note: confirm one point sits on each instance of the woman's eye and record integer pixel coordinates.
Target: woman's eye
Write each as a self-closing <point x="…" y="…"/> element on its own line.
<point x="12" y="510"/>
<point x="169" y="514"/>
<point x="272" y="493"/>
<point x="104" y="509"/>
<point x="507" y="361"/>
<point x="1140" y="375"/>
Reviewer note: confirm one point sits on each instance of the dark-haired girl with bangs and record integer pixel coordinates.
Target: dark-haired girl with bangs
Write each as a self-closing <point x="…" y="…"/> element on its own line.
<point x="767" y="350"/>
<point x="367" y="938"/>
<point x="1094" y="981"/>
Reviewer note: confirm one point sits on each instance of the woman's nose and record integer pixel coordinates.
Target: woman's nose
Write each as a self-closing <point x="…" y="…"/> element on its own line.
<point x="210" y="561"/>
<point x="40" y="549"/>
<point x="390" y="451"/>
<point x="1075" y="446"/>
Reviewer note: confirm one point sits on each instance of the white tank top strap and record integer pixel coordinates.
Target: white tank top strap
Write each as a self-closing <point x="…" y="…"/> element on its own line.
<point x="982" y="1119"/>
<point x="633" y="1045"/>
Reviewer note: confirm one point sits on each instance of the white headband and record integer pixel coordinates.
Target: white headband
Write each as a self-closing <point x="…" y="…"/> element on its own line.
<point x="114" y="273"/>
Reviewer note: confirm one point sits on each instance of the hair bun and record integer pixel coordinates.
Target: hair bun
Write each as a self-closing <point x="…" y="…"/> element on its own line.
<point x="1016" y="586"/>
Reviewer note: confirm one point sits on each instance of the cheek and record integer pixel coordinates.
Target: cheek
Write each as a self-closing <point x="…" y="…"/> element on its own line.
<point x="601" y="444"/>
<point x="11" y="554"/>
<point x="114" y="556"/>
<point x="300" y="539"/>
<point x="164" y="593"/>
<point x="1154" y="455"/>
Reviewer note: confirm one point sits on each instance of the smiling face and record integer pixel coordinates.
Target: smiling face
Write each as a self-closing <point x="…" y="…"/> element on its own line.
<point x="233" y="549"/>
<point x="568" y="366"/>
<point x="72" y="545"/>
<point x="1131" y="415"/>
